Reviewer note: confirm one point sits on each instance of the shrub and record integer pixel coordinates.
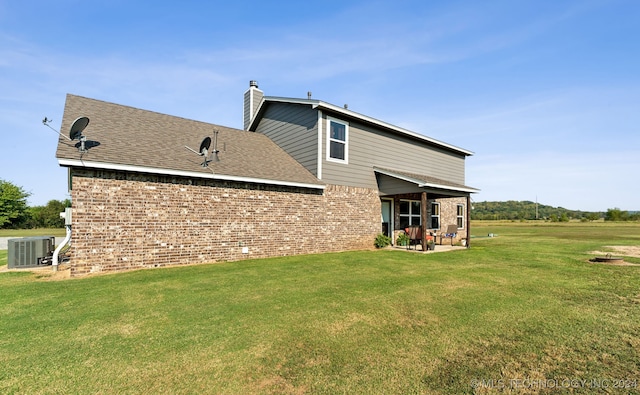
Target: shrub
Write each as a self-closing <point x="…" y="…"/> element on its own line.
<point x="402" y="240"/>
<point x="382" y="241"/>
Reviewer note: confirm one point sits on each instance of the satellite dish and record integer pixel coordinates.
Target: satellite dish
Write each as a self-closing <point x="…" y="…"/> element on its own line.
<point x="77" y="127"/>
<point x="75" y="133"/>
<point x="205" y="145"/>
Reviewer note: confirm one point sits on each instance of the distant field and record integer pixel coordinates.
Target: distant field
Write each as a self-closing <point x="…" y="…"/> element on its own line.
<point x="522" y="312"/>
<point x="31" y="232"/>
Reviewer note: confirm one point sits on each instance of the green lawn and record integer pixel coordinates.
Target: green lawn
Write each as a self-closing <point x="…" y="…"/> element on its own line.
<point x="32" y="232"/>
<point x="521" y="312"/>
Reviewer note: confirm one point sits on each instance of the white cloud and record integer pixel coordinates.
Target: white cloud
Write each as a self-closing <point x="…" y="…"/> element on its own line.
<point x="548" y="140"/>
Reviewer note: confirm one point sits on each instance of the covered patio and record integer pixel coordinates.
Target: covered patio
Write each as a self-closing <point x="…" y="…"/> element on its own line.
<point x="434" y="205"/>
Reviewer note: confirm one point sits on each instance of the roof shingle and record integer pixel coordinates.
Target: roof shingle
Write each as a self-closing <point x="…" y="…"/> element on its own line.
<point x="127" y="136"/>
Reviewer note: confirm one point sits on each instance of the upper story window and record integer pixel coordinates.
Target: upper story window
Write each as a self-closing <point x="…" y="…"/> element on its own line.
<point x="337" y="141"/>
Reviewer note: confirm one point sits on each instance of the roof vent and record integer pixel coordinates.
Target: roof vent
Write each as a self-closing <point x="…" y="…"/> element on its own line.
<point x="309" y="95"/>
<point x="253" y="83"/>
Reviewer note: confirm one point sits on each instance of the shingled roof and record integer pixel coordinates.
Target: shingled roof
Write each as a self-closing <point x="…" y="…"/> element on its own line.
<point x="425" y="181"/>
<point x="127" y="138"/>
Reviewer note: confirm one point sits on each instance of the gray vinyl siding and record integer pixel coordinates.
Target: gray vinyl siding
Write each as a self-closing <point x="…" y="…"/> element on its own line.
<point x="257" y="98"/>
<point x="246" y="110"/>
<point x="369" y="147"/>
<point x="251" y="103"/>
<point x="294" y="128"/>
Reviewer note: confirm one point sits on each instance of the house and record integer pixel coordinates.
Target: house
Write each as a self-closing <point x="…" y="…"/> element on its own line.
<point x="420" y="180"/>
<point x="304" y="176"/>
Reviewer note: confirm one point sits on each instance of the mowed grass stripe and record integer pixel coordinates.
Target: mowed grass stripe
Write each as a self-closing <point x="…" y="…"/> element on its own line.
<point x="525" y="304"/>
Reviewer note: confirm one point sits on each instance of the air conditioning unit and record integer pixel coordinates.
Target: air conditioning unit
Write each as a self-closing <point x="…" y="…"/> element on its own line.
<point x="30" y="251"/>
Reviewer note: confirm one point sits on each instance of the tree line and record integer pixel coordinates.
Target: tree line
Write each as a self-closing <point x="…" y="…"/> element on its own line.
<point x="15" y="213"/>
<point x="527" y="210"/>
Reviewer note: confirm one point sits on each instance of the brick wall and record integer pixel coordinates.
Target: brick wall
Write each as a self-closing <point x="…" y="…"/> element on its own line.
<point x="124" y="221"/>
<point x="448" y="216"/>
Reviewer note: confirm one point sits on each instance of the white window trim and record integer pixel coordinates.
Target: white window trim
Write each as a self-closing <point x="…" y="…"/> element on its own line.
<point x="391" y="215"/>
<point x="411" y="214"/>
<point x="329" y="139"/>
<point x="434" y="216"/>
<point x="460" y="216"/>
<point x="319" y="171"/>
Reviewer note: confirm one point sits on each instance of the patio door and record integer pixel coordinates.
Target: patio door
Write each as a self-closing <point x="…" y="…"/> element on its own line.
<point x="387" y="217"/>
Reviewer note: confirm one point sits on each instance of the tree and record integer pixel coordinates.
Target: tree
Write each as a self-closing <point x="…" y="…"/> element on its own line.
<point x="615" y="214"/>
<point x="592" y="216"/>
<point x="526" y="210"/>
<point x="13" y="204"/>
<point x="48" y="216"/>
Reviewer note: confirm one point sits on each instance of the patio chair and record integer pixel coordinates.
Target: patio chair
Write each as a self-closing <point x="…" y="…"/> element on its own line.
<point x="415" y="237"/>
<point x="451" y="232"/>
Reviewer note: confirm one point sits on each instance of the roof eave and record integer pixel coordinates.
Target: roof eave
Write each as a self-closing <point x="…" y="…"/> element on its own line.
<point x="422" y="184"/>
<point x="346" y="112"/>
<point x="450" y="188"/>
<point x="182" y="173"/>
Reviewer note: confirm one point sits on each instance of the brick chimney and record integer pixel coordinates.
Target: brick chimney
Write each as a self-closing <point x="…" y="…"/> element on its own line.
<point x="252" y="99"/>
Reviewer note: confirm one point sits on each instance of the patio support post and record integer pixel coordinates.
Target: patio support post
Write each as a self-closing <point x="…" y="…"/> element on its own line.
<point x="423" y="220"/>
<point x="468" y="221"/>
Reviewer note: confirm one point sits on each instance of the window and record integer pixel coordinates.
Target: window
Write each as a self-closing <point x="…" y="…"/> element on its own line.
<point x="435" y="216"/>
<point x="460" y="216"/>
<point x="337" y="141"/>
<point x="409" y="213"/>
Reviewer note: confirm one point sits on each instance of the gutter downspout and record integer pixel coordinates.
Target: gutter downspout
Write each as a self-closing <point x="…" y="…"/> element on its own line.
<point x="67" y="224"/>
<point x="320" y="157"/>
<point x="468" y="221"/>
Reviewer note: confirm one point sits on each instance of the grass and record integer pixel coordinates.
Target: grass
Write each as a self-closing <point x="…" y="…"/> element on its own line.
<point x="526" y="305"/>
<point x="32" y="232"/>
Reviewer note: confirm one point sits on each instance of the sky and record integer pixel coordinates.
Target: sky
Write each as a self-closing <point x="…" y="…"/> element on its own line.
<point x="545" y="93"/>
